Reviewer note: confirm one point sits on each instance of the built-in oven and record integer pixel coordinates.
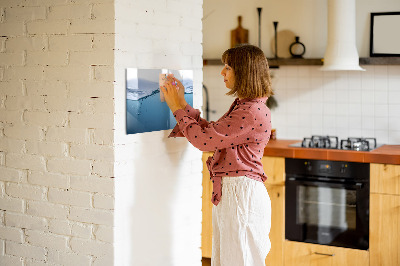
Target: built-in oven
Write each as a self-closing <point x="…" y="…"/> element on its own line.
<point x="327" y="202"/>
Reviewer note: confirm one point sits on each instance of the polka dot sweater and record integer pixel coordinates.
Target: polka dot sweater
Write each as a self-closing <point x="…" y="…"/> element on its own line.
<point x="238" y="139"/>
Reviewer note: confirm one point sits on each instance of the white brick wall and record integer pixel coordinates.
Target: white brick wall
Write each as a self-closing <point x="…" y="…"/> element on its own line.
<point x="56" y="132"/>
<point x="62" y="64"/>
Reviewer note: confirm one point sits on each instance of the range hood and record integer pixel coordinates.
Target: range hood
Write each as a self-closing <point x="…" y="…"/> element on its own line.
<point x="341" y="51"/>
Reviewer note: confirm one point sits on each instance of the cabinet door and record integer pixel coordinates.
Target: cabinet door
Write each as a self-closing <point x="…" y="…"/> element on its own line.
<point x="385" y="178"/>
<point x="206" y="226"/>
<point x="304" y="254"/>
<point x="384" y="229"/>
<point x="274" y="168"/>
<point x="277" y="233"/>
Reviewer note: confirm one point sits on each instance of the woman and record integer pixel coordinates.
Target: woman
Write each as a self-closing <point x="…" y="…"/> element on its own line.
<point x="242" y="208"/>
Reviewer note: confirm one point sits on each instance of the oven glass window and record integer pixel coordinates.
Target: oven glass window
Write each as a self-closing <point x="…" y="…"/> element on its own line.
<point x="326" y="207"/>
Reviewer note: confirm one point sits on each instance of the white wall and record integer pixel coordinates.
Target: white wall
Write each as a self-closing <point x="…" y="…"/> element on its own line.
<point x="311" y="102"/>
<point x="305" y="18"/>
<point x="56" y="132"/>
<point x="158" y="180"/>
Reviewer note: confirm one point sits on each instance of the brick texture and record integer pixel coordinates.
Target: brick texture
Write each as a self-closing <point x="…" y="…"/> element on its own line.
<point x="51" y="102"/>
<point x="62" y="92"/>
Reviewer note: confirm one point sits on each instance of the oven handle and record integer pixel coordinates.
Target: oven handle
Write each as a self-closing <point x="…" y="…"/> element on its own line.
<point x="357" y="185"/>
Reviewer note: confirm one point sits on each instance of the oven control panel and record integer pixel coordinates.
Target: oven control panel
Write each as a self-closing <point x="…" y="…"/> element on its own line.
<point x="338" y="169"/>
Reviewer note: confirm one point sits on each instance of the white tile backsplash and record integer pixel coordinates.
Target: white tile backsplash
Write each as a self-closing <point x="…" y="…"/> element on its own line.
<point x="345" y="103"/>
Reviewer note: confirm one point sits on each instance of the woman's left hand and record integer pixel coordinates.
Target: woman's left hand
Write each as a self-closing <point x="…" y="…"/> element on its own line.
<point x="171" y="95"/>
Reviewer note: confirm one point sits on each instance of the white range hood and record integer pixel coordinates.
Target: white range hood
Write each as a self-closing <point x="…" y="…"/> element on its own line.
<point x="341" y="51"/>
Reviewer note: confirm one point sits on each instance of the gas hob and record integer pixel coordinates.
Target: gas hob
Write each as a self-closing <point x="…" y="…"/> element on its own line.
<point x="332" y="142"/>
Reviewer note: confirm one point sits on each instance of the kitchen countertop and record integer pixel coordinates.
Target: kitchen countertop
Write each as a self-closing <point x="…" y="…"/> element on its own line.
<point x="389" y="154"/>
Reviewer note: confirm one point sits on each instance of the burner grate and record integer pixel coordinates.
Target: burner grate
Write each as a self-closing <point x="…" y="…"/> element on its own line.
<point x="332" y="142"/>
<point x="327" y="142"/>
<point x="358" y="144"/>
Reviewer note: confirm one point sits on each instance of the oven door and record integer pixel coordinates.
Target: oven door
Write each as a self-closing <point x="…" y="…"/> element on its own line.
<point x="327" y="213"/>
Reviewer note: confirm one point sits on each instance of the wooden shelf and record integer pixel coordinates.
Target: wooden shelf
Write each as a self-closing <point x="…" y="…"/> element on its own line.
<point x="380" y="61"/>
<point x="274" y="63"/>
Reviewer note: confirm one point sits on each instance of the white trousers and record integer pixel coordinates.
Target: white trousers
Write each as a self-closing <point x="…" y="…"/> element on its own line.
<point x="241" y="223"/>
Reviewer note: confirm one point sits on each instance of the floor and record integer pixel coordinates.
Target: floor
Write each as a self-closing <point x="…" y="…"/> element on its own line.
<point x="206" y="261"/>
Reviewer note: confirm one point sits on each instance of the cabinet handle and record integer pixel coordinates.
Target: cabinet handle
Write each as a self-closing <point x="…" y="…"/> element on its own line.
<point x="325" y="254"/>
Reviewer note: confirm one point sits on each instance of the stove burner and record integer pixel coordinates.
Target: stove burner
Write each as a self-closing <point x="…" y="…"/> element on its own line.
<point x="358" y="144"/>
<point x="328" y="142"/>
<point x="332" y="142"/>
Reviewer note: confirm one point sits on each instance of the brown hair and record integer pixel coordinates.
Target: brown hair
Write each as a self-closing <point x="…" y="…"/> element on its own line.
<point x="250" y="66"/>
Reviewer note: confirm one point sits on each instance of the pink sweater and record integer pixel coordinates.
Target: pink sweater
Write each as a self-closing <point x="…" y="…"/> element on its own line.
<point x="238" y="139"/>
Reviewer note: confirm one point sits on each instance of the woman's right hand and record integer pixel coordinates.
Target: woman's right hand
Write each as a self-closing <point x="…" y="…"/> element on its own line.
<point x="181" y="91"/>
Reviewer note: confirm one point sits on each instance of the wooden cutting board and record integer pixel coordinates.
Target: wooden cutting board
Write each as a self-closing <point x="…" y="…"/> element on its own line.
<point x="239" y="35"/>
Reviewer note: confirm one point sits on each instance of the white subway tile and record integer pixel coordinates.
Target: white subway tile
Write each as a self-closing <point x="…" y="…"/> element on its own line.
<point x="329" y="109"/>
<point x="394" y="110"/>
<point x="380" y="71"/>
<point x="368" y="122"/>
<point x="382" y="110"/>
<point x="342" y="122"/>
<point x="394" y="83"/>
<point x="394" y="97"/>
<point x="355" y="109"/>
<point x="381" y="97"/>
<point x="394" y="123"/>
<point x="354" y="83"/>
<point x="382" y="136"/>
<point x="380" y="84"/>
<point x="381" y="123"/>
<point x="394" y="137"/>
<point x="355" y="132"/>
<point x="367" y="96"/>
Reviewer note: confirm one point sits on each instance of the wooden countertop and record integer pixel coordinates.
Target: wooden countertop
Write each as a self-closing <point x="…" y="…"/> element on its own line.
<point x="389" y="154"/>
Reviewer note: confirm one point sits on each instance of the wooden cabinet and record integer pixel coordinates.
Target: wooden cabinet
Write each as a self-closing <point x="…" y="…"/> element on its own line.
<point x="304" y="254"/>
<point x="206" y="226"/>
<point x="277" y="233"/>
<point x="385" y="215"/>
<point x="274" y="168"/>
<point x="385" y="178"/>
